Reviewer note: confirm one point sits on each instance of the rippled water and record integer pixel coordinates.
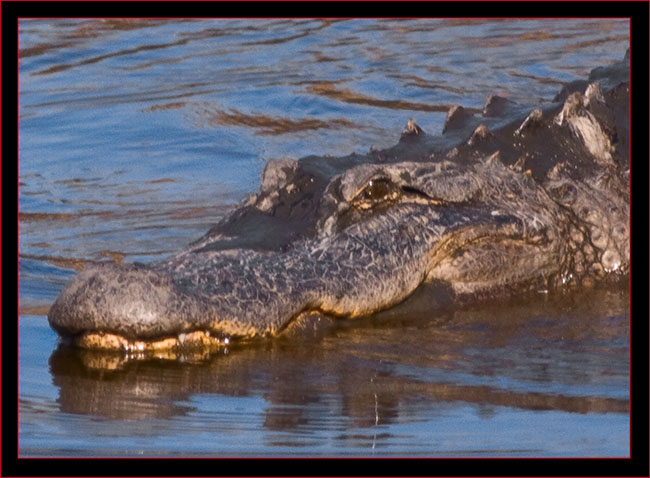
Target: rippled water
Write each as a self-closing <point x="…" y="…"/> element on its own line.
<point x="136" y="135"/>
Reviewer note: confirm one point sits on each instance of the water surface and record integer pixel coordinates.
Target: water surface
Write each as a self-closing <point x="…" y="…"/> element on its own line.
<point x="136" y="135"/>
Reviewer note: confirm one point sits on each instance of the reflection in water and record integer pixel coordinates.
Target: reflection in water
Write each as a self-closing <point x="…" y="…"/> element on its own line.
<point x="84" y="31"/>
<point x="549" y="354"/>
<point x="347" y="96"/>
<point x="269" y="125"/>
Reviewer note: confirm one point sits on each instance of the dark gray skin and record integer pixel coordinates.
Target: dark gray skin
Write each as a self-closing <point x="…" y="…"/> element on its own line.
<point x="503" y="202"/>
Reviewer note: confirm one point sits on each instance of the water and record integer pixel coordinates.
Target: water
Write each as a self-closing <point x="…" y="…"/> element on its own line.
<point x="136" y="135"/>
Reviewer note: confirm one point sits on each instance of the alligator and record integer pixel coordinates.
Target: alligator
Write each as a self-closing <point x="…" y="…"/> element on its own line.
<point x="505" y="201"/>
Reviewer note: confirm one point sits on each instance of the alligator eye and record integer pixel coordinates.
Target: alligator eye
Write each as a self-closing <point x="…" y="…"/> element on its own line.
<point x="376" y="191"/>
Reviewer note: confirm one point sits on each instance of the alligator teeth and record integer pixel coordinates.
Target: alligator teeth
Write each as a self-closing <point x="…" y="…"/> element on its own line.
<point x="107" y="341"/>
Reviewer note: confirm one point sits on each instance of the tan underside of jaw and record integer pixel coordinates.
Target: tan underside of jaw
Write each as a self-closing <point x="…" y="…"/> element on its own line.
<point x="108" y="341"/>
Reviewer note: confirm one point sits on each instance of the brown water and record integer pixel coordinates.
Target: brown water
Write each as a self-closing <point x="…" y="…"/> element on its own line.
<point x="137" y="135"/>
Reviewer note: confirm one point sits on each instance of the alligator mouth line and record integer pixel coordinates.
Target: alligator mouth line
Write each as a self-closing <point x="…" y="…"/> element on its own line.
<point x="195" y="340"/>
<point x="461" y="241"/>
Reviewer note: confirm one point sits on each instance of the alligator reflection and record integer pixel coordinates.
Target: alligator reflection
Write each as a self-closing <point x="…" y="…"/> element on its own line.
<point x="565" y="354"/>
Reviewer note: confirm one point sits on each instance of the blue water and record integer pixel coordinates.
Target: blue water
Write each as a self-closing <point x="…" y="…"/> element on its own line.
<point x="136" y="135"/>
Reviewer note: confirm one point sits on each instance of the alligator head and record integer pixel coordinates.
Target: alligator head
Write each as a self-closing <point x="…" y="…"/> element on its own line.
<point x="503" y="202"/>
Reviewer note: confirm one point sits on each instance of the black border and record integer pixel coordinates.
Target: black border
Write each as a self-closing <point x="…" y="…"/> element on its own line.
<point x="12" y="466"/>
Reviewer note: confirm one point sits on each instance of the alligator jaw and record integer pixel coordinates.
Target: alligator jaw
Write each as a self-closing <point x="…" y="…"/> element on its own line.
<point x="139" y="309"/>
<point x="515" y="257"/>
<point x="134" y="308"/>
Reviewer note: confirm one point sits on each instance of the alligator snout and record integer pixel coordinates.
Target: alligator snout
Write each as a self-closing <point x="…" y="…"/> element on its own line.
<point x="145" y="308"/>
<point x="131" y="300"/>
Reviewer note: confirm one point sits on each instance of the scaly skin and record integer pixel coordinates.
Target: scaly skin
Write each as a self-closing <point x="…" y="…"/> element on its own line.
<point x="501" y="203"/>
